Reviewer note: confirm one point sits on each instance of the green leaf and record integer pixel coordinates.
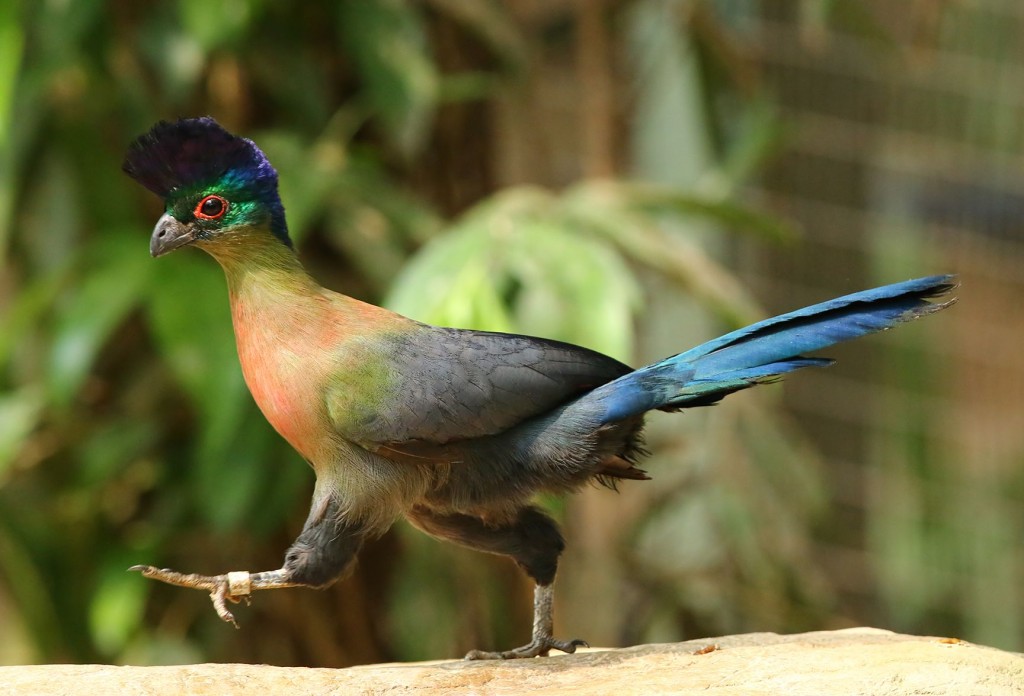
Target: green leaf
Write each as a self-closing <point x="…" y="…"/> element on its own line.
<point x="19" y="414"/>
<point x="229" y="485"/>
<point x="503" y="267"/>
<point x="116" y="607"/>
<point x="493" y="25"/>
<point x="657" y="199"/>
<point x="64" y="28"/>
<point x="12" y="40"/>
<point x="115" y="280"/>
<point x="27" y="310"/>
<point x="313" y="177"/>
<point x="642" y="238"/>
<point x="27" y="584"/>
<point x="188" y="312"/>
<point x="174" y="55"/>
<point x="589" y="301"/>
<point x="388" y="43"/>
<point x="296" y="81"/>
<point x="758" y="136"/>
<point x="53" y="215"/>
<point x="435" y="274"/>
<point x="371" y="185"/>
<point x="111" y="447"/>
<point x="367" y="238"/>
<point x="216" y="23"/>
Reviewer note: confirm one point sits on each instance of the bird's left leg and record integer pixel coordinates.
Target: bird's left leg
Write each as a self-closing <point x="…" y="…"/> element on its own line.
<point x="320" y="555"/>
<point x="533" y="540"/>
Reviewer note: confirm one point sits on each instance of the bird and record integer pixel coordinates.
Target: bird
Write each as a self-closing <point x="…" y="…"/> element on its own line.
<point x="456" y="430"/>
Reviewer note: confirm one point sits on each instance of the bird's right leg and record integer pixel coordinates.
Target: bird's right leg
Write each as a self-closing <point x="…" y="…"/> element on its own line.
<point x="321" y="554"/>
<point x="533" y="540"/>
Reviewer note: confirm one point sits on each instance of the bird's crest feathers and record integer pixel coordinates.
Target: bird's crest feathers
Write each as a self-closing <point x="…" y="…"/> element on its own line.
<point x="192" y="151"/>
<point x="179" y="156"/>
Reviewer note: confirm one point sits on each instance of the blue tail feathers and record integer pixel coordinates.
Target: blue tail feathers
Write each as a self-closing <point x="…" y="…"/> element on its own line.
<point x="764" y="351"/>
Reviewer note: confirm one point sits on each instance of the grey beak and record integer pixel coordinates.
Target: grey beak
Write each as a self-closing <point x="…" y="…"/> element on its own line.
<point x="168" y="235"/>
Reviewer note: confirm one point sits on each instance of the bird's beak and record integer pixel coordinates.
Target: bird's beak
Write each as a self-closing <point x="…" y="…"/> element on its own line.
<point x="168" y="235"/>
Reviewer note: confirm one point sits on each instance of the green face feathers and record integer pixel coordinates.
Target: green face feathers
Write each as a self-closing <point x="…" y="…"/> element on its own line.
<point x="181" y="160"/>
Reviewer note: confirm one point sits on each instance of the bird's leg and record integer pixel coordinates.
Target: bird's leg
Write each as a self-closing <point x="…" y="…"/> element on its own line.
<point x="229" y="587"/>
<point x="543" y="625"/>
<point x="533" y="540"/>
<point x="320" y="555"/>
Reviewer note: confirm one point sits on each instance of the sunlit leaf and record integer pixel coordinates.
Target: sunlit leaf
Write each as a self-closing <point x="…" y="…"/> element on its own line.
<point x="115" y="610"/>
<point x="589" y="301"/>
<point x="422" y="288"/>
<point x="507" y="257"/>
<point x="643" y="239"/>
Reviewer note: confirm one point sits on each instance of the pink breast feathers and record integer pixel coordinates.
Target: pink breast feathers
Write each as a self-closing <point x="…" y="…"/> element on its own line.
<point x="279" y="366"/>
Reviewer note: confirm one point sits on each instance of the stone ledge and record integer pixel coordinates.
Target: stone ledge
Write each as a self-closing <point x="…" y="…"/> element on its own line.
<point x="851" y="661"/>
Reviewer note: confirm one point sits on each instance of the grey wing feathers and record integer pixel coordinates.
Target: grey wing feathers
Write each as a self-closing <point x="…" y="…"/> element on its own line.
<point x="450" y="385"/>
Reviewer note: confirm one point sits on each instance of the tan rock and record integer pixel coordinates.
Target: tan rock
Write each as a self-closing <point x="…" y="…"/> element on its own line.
<point x="853" y="661"/>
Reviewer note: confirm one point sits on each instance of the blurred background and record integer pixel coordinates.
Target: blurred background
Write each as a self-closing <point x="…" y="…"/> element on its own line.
<point x="633" y="175"/>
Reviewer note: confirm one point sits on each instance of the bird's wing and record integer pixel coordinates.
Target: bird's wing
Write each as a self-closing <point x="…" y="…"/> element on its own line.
<point x="413" y="396"/>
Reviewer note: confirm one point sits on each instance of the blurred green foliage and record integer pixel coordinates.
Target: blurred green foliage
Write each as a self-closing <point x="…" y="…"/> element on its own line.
<point x="126" y="432"/>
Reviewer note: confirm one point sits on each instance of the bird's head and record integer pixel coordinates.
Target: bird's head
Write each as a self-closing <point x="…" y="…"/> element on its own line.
<point x="215" y="185"/>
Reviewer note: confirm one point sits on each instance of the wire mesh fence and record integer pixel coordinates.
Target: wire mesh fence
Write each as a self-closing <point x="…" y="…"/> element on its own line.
<point x="904" y="157"/>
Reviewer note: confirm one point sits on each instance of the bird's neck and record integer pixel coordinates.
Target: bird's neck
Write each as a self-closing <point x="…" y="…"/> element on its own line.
<point x="291" y="333"/>
<point x="260" y="271"/>
<point x="285" y="324"/>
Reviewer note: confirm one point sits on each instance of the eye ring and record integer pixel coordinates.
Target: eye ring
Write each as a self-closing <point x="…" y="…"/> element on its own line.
<point x="212" y="207"/>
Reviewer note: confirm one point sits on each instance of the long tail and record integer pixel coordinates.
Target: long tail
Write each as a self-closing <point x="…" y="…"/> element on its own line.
<point x="765" y="351"/>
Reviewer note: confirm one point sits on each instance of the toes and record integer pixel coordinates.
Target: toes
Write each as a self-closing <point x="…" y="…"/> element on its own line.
<point x="537" y="648"/>
<point x="568" y="646"/>
<point x="173" y="577"/>
<point x="218" y="596"/>
<point x="218" y="586"/>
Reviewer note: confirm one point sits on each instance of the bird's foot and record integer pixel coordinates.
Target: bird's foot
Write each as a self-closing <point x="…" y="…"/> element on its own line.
<point x="230" y="587"/>
<point x="538" y="647"/>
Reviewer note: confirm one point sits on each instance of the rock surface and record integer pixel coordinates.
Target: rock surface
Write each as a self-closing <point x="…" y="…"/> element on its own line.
<point x="852" y="661"/>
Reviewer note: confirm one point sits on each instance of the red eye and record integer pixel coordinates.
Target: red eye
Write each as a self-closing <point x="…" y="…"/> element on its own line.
<point x="211" y="208"/>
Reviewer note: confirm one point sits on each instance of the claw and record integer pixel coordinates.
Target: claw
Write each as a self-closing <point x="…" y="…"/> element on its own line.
<point x="543" y="642"/>
<point x="538" y="647"/>
<point x="222" y="588"/>
<point x="230" y="587"/>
